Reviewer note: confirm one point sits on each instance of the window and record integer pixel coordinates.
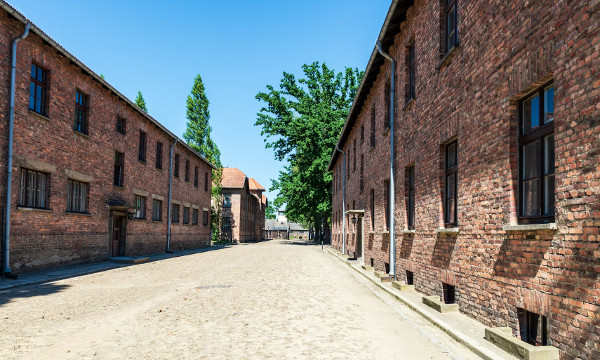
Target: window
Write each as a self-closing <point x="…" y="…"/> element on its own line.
<point x="139" y="203"/>
<point x="156" y="210"/>
<point x="195" y="217"/>
<point x="38" y="90"/>
<point x="204" y="217"/>
<point x="362" y="133"/>
<point x="226" y="200"/>
<point x="119" y="167"/>
<point x="142" y="149"/>
<point x="175" y="213"/>
<point x="206" y="181"/>
<point x="34" y="191"/>
<point x="388" y="108"/>
<point x="536" y="142"/>
<point x="195" y="176"/>
<point x="362" y="172"/>
<point x="386" y="189"/>
<point x="411" y="76"/>
<point x="410" y="197"/>
<point x="187" y="170"/>
<point x="186" y="215"/>
<point x="121" y="125"/>
<point x="226" y="223"/>
<point x="451" y="22"/>
<point x="372" y="209"/>
<point x="533" y="328"/>
<point x="81" y="112"/>
<point x="176" y="171"/>
<point x="451" y="184"/>
<point x="410" y="278"/>
<point x="373" y="126"/>
<point x="159" y="148"/>
<point x="77" y="196"/>
<point x="354" y="168"/>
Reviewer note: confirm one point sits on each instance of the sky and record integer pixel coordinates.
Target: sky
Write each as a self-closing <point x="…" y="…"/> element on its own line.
<point x="238" y="47"/>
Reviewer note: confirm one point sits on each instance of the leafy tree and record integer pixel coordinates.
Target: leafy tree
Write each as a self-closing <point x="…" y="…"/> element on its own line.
<point x="197" y="135"/>
<point x="102" y="76"/>
<point x="140" y="102"/>
<point x="270" y="212"/>
<point x="301" y="122"/>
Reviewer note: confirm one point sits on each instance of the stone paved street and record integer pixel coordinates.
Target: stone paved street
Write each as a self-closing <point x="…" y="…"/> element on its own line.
<point x="270" y="300"/>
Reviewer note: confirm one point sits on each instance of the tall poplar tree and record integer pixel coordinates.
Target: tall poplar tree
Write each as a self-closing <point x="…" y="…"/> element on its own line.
<point x="140" y="102"/>
<point x="197" y="135"/>
<point x="301" y="122"/>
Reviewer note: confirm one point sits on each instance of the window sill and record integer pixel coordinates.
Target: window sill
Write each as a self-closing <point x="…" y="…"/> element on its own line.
<point x="142" y="161"/>
<point x="530" y="227"/>
<point x="386" y="131"/>
<point x="72" y="213"/>
<point x="452" y="230"/>
<point x="446" y="57"/>
<point x="138" y="219"/>
<point x="156" y="221"/>
<point x="117" y="187"/>
<point x="30" y="209"/>
<point x="409" y="104"/>
<point x="407" y="231"/>
<point x="371" y="149"/>
<point x="79" y="133"/>
<point x="385" y="232"/>
<point x="371" y="232"/>
<point x="39" y="115"/>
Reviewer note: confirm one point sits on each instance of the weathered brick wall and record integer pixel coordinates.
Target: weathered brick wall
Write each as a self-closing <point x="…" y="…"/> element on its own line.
<point x="505" y="52"/>
<point x="49" y="238"/>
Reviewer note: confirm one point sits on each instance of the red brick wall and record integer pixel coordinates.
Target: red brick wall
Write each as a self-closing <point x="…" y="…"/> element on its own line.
<point x="52" y="238"/>
<point x="247" y="217"/>
<point x="505" y="52"/>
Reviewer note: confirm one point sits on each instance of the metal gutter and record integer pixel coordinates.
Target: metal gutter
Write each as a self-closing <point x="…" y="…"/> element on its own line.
<point x="20" y="17"/>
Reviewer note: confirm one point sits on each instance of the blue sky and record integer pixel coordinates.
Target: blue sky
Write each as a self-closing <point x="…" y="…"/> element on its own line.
<point x="238" y="47"/>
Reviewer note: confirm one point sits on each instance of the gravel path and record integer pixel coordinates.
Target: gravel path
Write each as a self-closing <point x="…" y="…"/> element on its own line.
<point x="271" y="300"/>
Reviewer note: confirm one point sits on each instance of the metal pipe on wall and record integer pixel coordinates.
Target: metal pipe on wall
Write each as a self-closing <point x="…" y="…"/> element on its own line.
<point x="6" y="271"/>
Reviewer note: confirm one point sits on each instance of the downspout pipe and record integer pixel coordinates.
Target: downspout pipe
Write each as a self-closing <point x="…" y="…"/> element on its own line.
<point x="169" y="206"/>
<point x="343" y="199"/>
<point x="392" y="183"/>
<point x="6" y="272"/>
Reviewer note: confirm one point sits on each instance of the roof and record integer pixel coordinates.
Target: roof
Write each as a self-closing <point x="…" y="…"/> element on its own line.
<point x="273" y="224"/>
<point x="254" y="185"/>
<point x="396" y="15"/>
<point x="297" y="227"/>
<point x="87" y="71"/>
<point x="233" y="178"/>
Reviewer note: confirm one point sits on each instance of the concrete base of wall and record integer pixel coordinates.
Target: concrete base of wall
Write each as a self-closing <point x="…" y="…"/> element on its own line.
<point x="382" y="276"/>
<point x="366" y="267"/>
<point x="435" y="303"/>
<point x="400" y="285"/>
<point x="129" y="260"/>
<point x="502" y="337"/>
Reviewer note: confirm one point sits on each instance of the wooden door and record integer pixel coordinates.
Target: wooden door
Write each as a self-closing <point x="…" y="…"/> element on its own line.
<point x="117" y="234"/>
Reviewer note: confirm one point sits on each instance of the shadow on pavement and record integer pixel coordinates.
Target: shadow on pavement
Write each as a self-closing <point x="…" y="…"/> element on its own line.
<point x="8" y="295"/>
<point x="299" y="242"/>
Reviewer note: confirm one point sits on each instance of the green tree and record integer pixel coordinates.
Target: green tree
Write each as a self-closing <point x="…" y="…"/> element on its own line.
<point x="301" y="122"/>
<point x="140" y="102"/>
<point x="197" y="135"/>
<point x="270" y="212"/>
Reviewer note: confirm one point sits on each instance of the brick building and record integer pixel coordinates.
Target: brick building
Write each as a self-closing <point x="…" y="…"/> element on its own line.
<point x="495" y="111"/>
<point x="90" y="176"/>
<point x="244" y="205"/>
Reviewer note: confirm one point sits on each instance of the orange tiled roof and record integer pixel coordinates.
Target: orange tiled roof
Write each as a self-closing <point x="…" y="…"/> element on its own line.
<point x="254" y="185"/>
<point x="233" y="178"/>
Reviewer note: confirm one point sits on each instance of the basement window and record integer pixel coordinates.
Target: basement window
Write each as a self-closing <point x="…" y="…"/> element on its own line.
<point x="410" y="279"/>
<point x="372" y="262"/>
<point x="387" y="267"/>
<point x="449" y="293"/>
<point x="533" y="328"/>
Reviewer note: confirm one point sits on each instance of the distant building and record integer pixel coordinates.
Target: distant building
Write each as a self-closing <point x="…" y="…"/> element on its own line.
<point x="244" y="205"/>
<point x="280" y="228"/>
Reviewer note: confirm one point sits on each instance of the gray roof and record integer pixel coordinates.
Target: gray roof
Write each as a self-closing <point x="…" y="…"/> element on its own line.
<point x="273" y="224"/>
<point x="297" y="227"/>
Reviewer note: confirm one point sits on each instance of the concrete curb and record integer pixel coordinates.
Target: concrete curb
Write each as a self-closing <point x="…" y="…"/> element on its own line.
<point x="445" y="327"/>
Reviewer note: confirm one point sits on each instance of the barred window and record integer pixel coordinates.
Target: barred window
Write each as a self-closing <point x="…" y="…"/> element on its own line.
<point x="206" y="181"/>
<point x="34" y="190"/>
<point x="187" y="170"/>
<point x="195" y="176"/>
<point x="227" y="200"/>
<point x="451" y="22"/>
<point x="451" y="184"/>
<point x="119" y="167"/>
<point x="142" y="147"/>
<point x="140" y="207"/>
<point x="176" y="170"/>
<point x="159" y="148"/>
<point x="410" y="197"/>
<point x="156" y="210"/>
<point x="175" y="213"/>
<point x="186" y="215"/>
<point x="204" y="217"/>
<point x="226" y="223"/>
<point x="77" y="196"/>
<point x="195" y="217"/>
<point x="121" y="125"/>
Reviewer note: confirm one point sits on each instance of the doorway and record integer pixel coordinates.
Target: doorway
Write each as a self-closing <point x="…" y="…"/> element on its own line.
<point x="359" y="238"/>
<point x="119" y="231"/>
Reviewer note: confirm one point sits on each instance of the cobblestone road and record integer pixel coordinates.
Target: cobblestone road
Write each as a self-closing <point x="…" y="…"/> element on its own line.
<point x="271" y="300"/>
